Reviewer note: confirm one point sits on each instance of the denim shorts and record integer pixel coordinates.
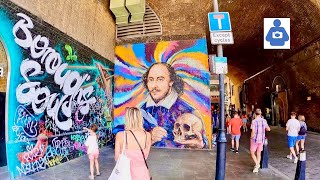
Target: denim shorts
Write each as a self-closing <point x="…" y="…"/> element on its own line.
<point x="300" y="137"/>
<point x="235" y="137"/>
<point x="292" y="141"/>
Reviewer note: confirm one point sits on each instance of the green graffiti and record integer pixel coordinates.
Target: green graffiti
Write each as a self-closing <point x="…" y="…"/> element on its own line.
<point x="71" y="57"/>
<point x="109" y="124"/>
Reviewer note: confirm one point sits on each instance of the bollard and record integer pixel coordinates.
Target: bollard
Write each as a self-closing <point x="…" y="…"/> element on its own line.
<point x="301" y="166"/>
<point x="264" y="155"/>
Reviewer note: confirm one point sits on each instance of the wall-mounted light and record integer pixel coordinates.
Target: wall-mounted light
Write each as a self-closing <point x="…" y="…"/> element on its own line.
<point x="309" y="98"/>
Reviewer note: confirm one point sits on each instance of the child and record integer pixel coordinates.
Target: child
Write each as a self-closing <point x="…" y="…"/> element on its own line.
<point x="93" y="149"/>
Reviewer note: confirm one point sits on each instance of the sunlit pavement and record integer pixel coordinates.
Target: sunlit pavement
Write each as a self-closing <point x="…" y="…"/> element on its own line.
<point x="164" y="164"/>
<point x="278" y="151"/>
<point x="197" y="164"/>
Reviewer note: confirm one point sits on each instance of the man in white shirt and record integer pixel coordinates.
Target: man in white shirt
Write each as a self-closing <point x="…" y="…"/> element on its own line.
<point x="293" y="128"/>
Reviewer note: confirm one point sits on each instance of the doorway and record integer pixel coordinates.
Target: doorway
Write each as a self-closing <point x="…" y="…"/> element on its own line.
<point x="3" y="84"/>
<point x="279" y="102"/>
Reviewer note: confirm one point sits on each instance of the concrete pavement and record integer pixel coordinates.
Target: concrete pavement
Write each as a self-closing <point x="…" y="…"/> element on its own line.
<point x="165" y="164"/>
<point x="198" y="164"/>
<point x="278" y="151"/>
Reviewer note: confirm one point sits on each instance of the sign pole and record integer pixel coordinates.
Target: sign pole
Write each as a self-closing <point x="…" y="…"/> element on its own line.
<point x="221" y="139"/>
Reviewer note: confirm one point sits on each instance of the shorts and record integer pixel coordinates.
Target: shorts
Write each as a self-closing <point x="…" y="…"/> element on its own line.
<point x="292" y="141"/>
<point x="301" y="137"/>
<point x="244" y="120"/>
<point x="255" y="146"/>
<point x="235" y="137"/>
<point x="94" y="155"/>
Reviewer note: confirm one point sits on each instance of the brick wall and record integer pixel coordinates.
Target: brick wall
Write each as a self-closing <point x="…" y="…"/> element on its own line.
<point x="4" y="65"/>
<point x="88" y="21"/>
<point x="176" y="23"/>
<point x="301" y="75"/>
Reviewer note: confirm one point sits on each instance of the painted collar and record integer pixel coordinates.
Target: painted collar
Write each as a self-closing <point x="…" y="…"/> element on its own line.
<point x="167" y="102"/>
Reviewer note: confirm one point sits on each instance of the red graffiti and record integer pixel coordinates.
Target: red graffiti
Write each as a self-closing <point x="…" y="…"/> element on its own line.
<point x="38" y="151"/>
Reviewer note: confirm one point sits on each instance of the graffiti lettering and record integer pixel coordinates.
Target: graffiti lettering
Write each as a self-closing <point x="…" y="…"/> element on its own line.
<point x="41" y="98"/>
<point x="54" y="161"/>
<point x="78" y="137"/>
<point x="32" y="167"/>
<point x="36" y="152"/>
<point x="25" y="121"/>
<point x="80" y="147"/>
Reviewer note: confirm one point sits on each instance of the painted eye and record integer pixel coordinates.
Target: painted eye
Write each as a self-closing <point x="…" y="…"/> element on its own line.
<point x="186" y="127"/>
<point x="177" y="125"/>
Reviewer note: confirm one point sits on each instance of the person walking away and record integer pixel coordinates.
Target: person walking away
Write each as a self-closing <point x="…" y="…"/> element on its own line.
<point x="302" y="133"/>
<point x="93" y="150"/>
<point x="235" y="128"/>
<point x="136" y="137"/>
<point x="244" y="122"/>
<point x="259" y="126"/>
<point x="227" y="123"/>
<point x="293" y="128"/>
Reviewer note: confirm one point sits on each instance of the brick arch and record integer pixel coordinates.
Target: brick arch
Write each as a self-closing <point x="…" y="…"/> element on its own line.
<point x="280" y="82"/>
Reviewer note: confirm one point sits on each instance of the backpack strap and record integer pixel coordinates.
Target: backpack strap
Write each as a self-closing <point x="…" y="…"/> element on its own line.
<point x="126" y="138"/>
<point x="145" y="143"/>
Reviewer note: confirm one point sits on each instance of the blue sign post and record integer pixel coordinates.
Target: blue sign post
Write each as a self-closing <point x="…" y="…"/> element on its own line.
<point x="219" y="21"/>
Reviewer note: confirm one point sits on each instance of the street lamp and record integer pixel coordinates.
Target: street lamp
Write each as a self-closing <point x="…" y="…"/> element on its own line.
<point x="221" y="138"/>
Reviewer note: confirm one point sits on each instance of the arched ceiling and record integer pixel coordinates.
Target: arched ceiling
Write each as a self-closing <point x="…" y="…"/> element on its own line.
<point x="247" y="56"/>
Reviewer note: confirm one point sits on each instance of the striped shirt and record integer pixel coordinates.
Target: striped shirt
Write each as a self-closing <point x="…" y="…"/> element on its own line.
<point x="259" y="126"/>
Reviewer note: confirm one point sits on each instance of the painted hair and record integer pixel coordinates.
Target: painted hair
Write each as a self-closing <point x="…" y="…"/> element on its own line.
<point x="133" y="118"/>
<point x="178" y="84"/>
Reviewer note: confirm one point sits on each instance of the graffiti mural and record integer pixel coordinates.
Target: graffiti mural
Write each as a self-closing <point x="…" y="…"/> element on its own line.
<point x="169" y="82"/>
<point x="55" y="91"/>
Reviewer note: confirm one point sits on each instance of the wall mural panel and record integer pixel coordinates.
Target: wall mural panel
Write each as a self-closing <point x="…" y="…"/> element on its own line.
<point x="55" y="90"/>
<point x="169" y="82"/>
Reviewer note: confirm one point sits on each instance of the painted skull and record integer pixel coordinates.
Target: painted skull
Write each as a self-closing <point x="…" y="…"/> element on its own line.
<point x="185" y="127"/>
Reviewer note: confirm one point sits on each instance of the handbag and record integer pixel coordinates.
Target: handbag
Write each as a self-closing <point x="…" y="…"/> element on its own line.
<point x="141" y="152"/>
<point x="121" y="171"/>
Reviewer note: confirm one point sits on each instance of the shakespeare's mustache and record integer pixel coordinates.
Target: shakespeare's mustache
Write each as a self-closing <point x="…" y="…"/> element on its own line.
<point x="155" y="90"/>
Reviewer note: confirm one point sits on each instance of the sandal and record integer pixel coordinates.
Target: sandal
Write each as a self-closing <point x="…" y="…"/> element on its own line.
<point x="91" y="177"/>
<point x="98" y="174"/>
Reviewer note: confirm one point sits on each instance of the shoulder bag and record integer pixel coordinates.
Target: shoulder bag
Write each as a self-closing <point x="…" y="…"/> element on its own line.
<point x="122" y="169"/>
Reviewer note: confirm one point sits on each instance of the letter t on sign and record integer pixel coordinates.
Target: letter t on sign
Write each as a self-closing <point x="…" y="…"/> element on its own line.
<point x="219" y="17"/>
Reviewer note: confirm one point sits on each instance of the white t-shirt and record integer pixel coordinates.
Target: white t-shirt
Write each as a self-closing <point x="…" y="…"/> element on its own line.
<point x="92" y="144"/>
<point x="293" y="126"/>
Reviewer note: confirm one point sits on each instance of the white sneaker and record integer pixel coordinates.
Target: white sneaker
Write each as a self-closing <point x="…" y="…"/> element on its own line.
<point x="256" y="168"/>
<point x="289" y="157"/>
<point x="296" y="160"/>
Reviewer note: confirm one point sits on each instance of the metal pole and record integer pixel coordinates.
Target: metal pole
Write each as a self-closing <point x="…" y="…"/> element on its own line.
<point x="221" y="139"/>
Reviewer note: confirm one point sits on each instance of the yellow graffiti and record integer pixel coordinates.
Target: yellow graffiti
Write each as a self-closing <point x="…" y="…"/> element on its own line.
<point x="54" y="161"/>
